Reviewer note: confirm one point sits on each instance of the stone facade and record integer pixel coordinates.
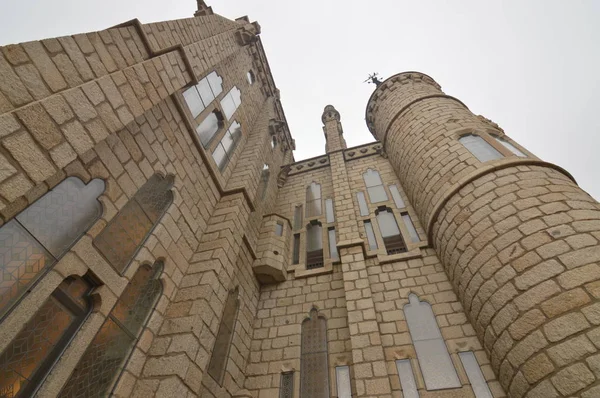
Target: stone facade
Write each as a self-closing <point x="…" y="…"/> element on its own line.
<point x="274" y="271"/>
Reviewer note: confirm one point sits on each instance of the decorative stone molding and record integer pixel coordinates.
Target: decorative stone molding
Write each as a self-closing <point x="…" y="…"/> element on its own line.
<point x="283" y="175"/>
<point x="358" y="152"/>
<point x="309" y="165"/>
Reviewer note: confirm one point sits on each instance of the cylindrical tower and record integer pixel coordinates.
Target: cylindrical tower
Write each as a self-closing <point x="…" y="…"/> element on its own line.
<point x="518" y="238"/>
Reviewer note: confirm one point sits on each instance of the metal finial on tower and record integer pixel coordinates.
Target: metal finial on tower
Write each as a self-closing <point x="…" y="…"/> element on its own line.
<point x="373" y="79"/>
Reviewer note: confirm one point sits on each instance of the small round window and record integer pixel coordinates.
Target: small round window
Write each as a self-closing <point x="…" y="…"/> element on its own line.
<point x="250" y="77"/>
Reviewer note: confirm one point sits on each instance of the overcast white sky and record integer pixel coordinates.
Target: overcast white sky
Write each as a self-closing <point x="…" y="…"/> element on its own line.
<point x="531" y="66"/>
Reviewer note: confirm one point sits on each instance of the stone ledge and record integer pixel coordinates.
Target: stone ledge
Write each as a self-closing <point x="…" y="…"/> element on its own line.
<point x="302" y="272"/>
<point x="390" y="258"/>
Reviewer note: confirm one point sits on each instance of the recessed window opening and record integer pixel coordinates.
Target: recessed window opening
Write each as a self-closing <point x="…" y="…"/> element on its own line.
<point x="279" y="228"/>
<point x="480" y="148"/>
<point x="390" y="232"/>
<point x="224" y="150"/>
<point x="202" y="94"/>
<point x="516" y="151"/>
<point x="333" y="253"/>
<point x="314" y="246"/>
<point x="250" y="77"/>
<point x="231" y="101"/>
<point x="313" y="200"/>
<point x="375" y="187"/>
<point x="207" y="129"/>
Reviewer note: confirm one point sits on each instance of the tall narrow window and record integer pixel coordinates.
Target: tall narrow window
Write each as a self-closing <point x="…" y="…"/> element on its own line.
<point x="250" y="77"/>
<point x="374" y="186"/>
<point x="390" y="232"/>
<point x="209" y="127"/>
<point x="509" y="146"/>
<point x="480" y="148"/>
<point x="264" y="181"/>
<point x="362" y="204"/>
<point x="313" y="200"/>
<point x="31" y="354"/>
<point x="333" y="253"/>
<point x="107" y="354"/>
<point x="201" y="95"/>
<point x="273" y="142"/>
<point x="286" y="389"/>
<point x="407" y="379"/>
<point x="314" y="371"/>
<point x="279" y="229"/>
<point x="231" y="101"/>
<point x="125" y="234"/>
<point x="329" y="213"/>
<point x="370" y="235"/>
<point x="297" y="217"/>
<point x="342" y="376"/>
<point x="296" y="250"/>
<point x="478" y="383"/>
<point x="220" y="354"/>
<point x="412" y="232"/>
<point x="436" y="365"/>
<point x="41" y="234"/>
<point x="396" y="196"/>
<point x="224" y="150"/>
<point x="314" y="246"/>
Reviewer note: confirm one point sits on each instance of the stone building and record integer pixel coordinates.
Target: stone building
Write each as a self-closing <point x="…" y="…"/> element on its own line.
<point x="159" y="239"/>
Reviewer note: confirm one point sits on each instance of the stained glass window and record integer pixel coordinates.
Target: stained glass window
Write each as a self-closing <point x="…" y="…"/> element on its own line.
<point x="106" y="356"/>
<point x="342" y="375"/>
<point x="296" y="250"/>
<point x="314" y="371"/>
<point x="220" y="354"/>
<point x="362" y="204"/>
<point x="390" y="232"/>
<point x="407" y="379"/>
<point x="125" y="234"/>
<point x="40" y="235"/>
<point x="434" y="360"/>
<point x="412" y="232"/>
<point x="286" y="389"/>
<point x="313" y="200"/>
<point x="209" y="127"/>
<point x="314" y="246"/>
<point x="333" y="253"/>
<point x="374" y="186"/>
<point x="509" y="146"/>
<point x="396" y="196"/>
<point x="31" y="354"/>
<point x="481" y="149"/>
<point x="478" y="383"/>
<point x="329" y="213"/>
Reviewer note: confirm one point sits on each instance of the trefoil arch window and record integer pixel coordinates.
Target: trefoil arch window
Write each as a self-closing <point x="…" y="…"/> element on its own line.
<point x="314" y="245"/>
<point x="30" y="356"/>
<point x="392" y="238"/>
<point x="220" y="354"/>
<point x="479" y="147"/>
<point x="125" y="234"/>
<point x="313" y="200"/>
<point x="314" y="370"/>
<point x="434" y="360"/>
<point x="105" y="358"/>
<point x="198" y="97"/>
<point x="40" y="235"/>
<point x="516" y="151"/>
<point x="375" y="187"/>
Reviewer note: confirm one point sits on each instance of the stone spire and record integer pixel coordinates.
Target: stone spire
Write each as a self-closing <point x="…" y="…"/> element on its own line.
<point x="334" y="134"/>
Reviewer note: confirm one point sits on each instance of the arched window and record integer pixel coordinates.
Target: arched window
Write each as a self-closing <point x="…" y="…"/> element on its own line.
<point x="313" y="200"/>
<point x="479" y="147"/>
<point x="509" y="146"/>
<point x="314" y="245"/>
<point x="250" y="77"/>
<point x="231" y="101"/>
<point x="198" y="97"/>
<point x="106" y="356"/>
<point x="434" y="360"/>
<point x="41" y="234"/>
<point x="314" y="371"/>
<point x="374" y="186"/>
<point x="208" y="128"/>
<point x="125" y="234"/>
<point x="220" y="354"/>
<point x="264" y="181"/>
<point x="31" y="354"/>
<point x="390" y="232"/>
